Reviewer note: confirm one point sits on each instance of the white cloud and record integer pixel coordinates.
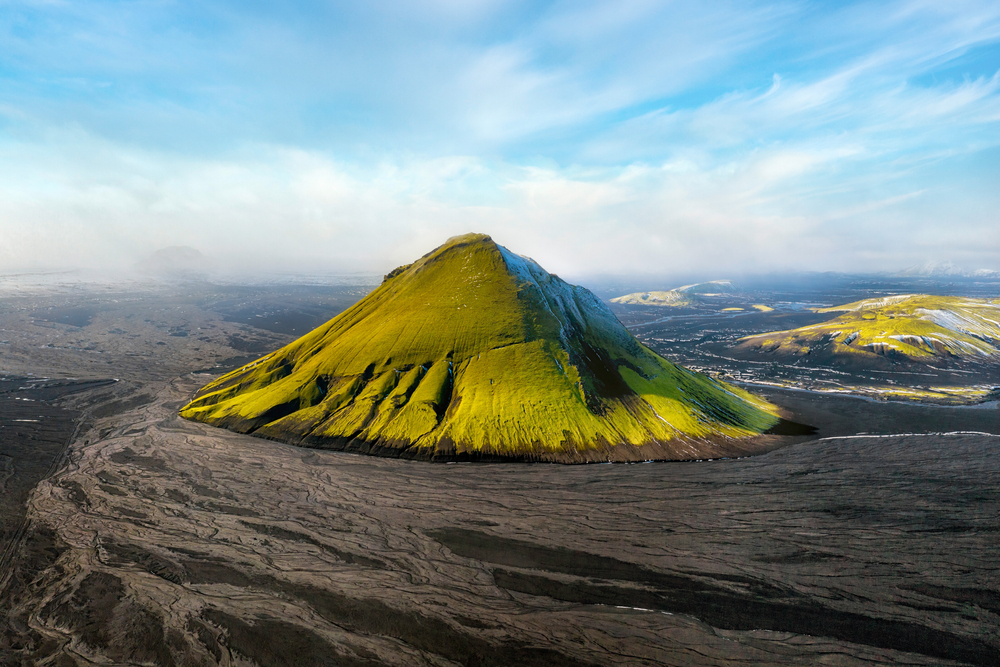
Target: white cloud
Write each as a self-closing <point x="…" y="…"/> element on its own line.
<point x="597" y="136"/>
<point x="279" y="208"/>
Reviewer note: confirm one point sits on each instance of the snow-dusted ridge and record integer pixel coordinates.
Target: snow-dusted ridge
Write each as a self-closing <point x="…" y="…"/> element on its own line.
<point x="575" y="307"/>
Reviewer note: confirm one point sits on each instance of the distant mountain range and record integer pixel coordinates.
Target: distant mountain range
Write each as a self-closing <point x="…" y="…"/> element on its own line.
<point x="946" y="269"/>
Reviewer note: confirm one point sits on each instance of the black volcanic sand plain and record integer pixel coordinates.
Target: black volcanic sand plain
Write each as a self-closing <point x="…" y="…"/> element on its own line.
<point x="34" y="434"/>
<point x="163" y="541"/>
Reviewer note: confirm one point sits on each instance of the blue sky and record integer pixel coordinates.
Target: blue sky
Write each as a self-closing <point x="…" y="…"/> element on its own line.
<point x="661" y="138"/>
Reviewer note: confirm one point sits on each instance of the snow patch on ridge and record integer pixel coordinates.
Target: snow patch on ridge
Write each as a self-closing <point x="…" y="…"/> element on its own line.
<point x="868" y="304"/>
<point x="973" y="325"/>
<point x="573" y="306"/>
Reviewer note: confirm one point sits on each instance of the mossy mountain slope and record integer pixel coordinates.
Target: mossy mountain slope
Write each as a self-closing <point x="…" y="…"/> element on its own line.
<point x="474" y="352"/>
<point x="907" y="327"/>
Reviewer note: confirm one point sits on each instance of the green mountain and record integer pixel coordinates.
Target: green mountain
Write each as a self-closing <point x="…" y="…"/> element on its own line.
<point x="679" y="296"/>
<point x="908" y="327"/>
<point x="474" y="352"/>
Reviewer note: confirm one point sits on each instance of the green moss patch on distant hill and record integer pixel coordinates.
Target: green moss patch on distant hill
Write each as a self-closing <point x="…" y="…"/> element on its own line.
<point x="473" y="352"/>
<point x="909" y="327"/>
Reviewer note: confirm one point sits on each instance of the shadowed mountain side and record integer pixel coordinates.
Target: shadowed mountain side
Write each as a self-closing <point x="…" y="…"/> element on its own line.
<point x="473" y="352"/>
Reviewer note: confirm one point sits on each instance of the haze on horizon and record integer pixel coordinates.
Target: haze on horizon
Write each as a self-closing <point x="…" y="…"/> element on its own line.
<point x="596" y="137"/>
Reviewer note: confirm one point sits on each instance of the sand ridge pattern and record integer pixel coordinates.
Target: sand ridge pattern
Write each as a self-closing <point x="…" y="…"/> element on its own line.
<point x="172" y="542"/>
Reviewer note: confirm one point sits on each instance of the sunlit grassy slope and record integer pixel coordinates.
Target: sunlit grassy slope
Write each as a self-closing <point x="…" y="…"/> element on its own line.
<point x="680" y="296"/>
<point x="472" y="351"/>
<point x="908" y="327"/>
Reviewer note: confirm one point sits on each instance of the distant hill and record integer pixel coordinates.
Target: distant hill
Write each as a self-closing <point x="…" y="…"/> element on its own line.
<point x="175" y="261"/>
<point x="914" y="327"/>
<point x="680" y="296"/>
<point x="475" y="352"/>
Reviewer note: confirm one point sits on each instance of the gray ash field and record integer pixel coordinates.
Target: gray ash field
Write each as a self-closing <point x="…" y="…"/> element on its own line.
<point x="148" y="539"/>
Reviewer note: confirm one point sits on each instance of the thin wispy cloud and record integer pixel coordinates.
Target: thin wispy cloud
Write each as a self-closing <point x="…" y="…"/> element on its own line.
<point x="599" y="137"/>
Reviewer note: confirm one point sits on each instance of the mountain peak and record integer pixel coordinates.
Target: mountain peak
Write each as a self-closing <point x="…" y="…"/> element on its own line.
<point x="464" y="243"/>
<point x="473" y="351"/>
